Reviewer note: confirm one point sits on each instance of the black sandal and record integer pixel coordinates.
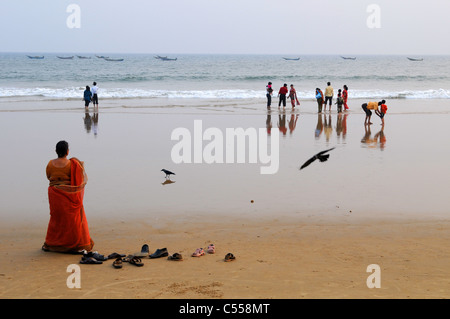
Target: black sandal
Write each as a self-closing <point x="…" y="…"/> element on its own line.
<point x="229" y="257"/>
<point x="176" y="257"/>
<point x="117" y="263"/>
<point x="136" y="261"/>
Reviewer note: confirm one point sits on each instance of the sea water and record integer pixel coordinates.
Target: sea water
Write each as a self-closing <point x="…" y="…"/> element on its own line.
<point x="224" y="77"/>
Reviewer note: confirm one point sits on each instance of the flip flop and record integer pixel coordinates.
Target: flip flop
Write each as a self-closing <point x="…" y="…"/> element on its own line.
<point x="95" y="255"/>
<point x="229" y="257"/>
<point x="211" y="249"/>
<point x="115" y="255"/>
<point x="176" y="257"/>
<point x="136" y="261"/>
<point x="198" y="252"/>
<point x="90" y="260"/>
<point x="117" y="263"/>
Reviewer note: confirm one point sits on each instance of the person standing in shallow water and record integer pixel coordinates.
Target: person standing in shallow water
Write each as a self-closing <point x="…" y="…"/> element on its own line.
<point x="87" y="96"/>
<point x="345" y="97"/>
<point x="282" y="95"/>
<point x="320" y="100"/>
<point x="94" y="91"/>
<point x="269" y="92"/>
<point x="329" y="93"/>
<point x="293" y="96"/>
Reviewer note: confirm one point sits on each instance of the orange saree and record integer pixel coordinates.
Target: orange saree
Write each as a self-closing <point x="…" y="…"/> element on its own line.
<point x="68" y="228"/>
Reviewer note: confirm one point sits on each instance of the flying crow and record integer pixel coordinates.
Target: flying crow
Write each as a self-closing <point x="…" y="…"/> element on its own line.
<point x="168" y="173"/>
<point x="321" y="156"/>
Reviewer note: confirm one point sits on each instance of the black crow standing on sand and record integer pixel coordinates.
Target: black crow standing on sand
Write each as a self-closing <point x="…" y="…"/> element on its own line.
<point x="168" y="173"/>
<point x="321" y="156"/>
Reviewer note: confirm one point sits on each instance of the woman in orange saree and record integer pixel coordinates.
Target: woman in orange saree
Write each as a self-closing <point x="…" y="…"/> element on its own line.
<point x="67" y="230"/>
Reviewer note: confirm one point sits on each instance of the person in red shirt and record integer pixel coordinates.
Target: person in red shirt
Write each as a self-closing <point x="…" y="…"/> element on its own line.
<point x="282" y="95"/>
<point x="345" y="96"/>
<point x="382" y="111"/>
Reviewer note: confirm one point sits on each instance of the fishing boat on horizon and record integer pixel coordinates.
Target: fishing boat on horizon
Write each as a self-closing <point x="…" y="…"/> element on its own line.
<point x="35" y="57"/>
<point x="348" y="58"/>
<point x="113" y="60"/>
<point x="413" y="59"/>
<point x="165" y="58"/>
<point x="83" y="57"/>
<point x="65" y="57"/>
<point x="291" y="59"/>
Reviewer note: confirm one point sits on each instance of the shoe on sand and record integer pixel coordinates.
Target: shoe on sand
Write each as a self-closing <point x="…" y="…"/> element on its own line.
<point x="198" y="252"/>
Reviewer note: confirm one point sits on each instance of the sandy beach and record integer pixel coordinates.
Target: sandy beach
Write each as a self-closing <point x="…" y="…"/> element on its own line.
<point x="307" y="234"/>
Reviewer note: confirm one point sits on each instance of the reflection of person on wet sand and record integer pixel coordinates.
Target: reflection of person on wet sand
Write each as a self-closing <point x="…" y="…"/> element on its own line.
<point x="367" y="138"/>
<point x="282" y="124"/>
<point x="95" y="123"/>
<point x="269" y="124"/>
<point x="339" y="125"/>
<point x="319" y="126"/>
<point x="344" y="126"/>
<point x="381" y="138"/>
<point x="87" y="122"/>
<point x="328" y="128"/>
<point x="293" y="123"/>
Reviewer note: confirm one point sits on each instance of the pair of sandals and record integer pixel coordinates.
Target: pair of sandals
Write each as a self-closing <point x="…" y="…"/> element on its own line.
<point x="212" y="250"/>
<point x="200" y="251"/>
<point x="133" y="260"/>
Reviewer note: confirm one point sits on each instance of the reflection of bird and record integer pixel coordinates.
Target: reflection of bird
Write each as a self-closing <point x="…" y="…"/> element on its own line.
<point x="167" y="181"/>
<point x="321" y="156"/>
<point x="168" y="173"/>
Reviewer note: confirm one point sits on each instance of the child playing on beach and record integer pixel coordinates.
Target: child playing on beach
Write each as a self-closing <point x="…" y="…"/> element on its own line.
<point x="339" y="101"/>
<point x="382" y="111"/>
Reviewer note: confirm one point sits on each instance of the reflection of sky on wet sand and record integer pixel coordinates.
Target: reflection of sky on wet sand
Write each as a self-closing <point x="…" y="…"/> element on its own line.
<point x="396" y="171"/>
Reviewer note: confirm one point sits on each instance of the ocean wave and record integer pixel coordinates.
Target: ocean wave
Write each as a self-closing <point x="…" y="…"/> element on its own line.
<point x="127" y="93"/>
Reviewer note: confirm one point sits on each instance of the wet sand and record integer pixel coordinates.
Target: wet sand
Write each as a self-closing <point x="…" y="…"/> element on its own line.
<point x="307" y="234"/>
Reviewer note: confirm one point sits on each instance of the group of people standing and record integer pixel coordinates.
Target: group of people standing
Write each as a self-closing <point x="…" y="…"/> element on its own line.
<point x="327" y="99"/>
<point x="90" y="95"/>
<point x="283" y="93"/>
<point x="322" y="99"/>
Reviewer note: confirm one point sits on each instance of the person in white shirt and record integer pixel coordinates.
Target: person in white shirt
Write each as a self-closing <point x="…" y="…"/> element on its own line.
<point x="94" y="90"/>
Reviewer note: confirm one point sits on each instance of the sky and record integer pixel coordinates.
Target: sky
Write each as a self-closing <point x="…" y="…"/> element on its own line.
<point x="296" y="27"/>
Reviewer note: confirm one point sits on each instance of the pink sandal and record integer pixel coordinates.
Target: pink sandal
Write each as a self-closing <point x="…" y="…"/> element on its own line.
<point x="198" y="252"/>
<point x="211" y="249"/>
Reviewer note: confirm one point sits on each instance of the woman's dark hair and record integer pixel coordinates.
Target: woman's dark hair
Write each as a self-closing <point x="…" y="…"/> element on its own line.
<point x="61" y="148"/>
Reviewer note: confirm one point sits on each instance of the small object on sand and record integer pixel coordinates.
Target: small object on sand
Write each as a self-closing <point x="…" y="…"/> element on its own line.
<point x="144" y="251"/>
<point x="168" y="173"/>
<point x="117" y="263"/>
<point x="159" y="253"/>
<point x="90" y="260"/>
<point x="115" y="255"/>
<point x="229" y="257"/>
<point x="136" y="261"/>
<point x="321" y="156"/>
<point x="175" y="257"/>
<point x="252" y="201"/>
<point x="211" y="249"/>
<point x="198" y="252"/>
<point x="94" y="254"/>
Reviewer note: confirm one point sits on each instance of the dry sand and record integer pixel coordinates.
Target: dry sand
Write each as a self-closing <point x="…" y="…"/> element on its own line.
<point x="290" y="259"/>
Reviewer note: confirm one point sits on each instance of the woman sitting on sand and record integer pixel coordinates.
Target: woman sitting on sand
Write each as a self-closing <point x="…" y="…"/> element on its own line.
<point x="68" y="228"/>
